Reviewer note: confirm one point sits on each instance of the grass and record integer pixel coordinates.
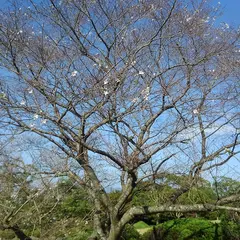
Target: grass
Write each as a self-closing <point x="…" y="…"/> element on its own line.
<point x="142" y="227"/>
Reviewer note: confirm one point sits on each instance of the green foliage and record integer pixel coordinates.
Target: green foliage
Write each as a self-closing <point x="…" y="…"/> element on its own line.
<point x="226" y="186"/>
<point x="75" y="203"/>
<point x="130" y="233"/>
<point x="71" y="218"/>
<point x="199" y="194"/>
<point x="2" y="95"/>
<point x="7" y="234"/>
<point x="140" y="225"/>
<point x="78" y="235"/>
<point x="183" y="229"/>
<point x="34" y="233"/>
<point x="165" y="186"/>
<point x="230" y="230"/>
<point x="114" y="196"/>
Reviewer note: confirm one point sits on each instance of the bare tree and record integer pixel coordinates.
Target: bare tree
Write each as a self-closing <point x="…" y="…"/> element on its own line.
<point x="127" y="87"/>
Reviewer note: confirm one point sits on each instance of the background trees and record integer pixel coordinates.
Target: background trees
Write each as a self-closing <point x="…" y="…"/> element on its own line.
<point x="128" y="90"/>
<point x="23" y="204"/>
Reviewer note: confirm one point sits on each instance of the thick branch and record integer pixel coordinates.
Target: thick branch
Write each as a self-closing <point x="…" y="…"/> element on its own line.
<point x="138" y="211"/>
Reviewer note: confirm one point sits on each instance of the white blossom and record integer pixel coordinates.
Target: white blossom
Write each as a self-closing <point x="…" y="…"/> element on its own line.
<point x="106" y="81"/>
<point x="188" y="19"/>
<point x="43" y="121"/>
<point x="32" y="125"/>
<point x="74" y="73"/>
<point x="35" y="116"/>
<point x="212" y="70"/>
<point x="135" y="100"/>
<point x="206" y="20"/>
<point x="23" y="102"/>
<point x="226" y="25"/>
<point x="227" y="150"/>
<point x="141" y="72"/>
<point x="106" y="92"/>
<point x="195" y="111"/>
<point x="30" y="90"/>
<point x="146" y="93"/>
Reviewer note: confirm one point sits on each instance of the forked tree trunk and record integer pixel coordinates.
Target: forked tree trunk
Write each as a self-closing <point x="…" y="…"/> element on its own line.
<point x="114" y="233"/>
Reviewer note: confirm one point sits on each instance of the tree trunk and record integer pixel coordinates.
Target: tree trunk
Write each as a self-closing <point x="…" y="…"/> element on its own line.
<point x="19" y="233"/>
<point x="114" y="233"/>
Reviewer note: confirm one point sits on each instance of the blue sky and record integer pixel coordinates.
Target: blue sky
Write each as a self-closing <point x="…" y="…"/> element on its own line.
<point x="231" y="12"/>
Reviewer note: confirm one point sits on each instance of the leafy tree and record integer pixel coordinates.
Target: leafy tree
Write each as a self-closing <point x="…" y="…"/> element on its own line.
<point x="74" y="204"/>
<point x="28" y="199"/>
<point x="183" y="229"/>
<point x="225" y="187"/>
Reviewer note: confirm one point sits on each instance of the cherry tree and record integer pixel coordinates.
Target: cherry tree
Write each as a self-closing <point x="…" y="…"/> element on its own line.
<point x="126" y="89"/>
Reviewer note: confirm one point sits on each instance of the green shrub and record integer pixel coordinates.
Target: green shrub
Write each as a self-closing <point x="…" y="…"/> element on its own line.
<point x="7" y="234"/>
<point x="140" y="225"/>
<point x="186" y="229"/>
<point x="82" y="235"/>
<point x="230" y="230"/>
<point x="130" y="233"/>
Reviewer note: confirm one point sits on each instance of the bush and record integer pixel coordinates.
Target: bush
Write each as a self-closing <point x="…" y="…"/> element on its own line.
<point x="230" y="230"/>
<point x="82" y="235"/>
<point x="7" y="234"/>
<point x="140" y="225"/>
<point x="183" y="229"/>
<point x="129" y="233"/>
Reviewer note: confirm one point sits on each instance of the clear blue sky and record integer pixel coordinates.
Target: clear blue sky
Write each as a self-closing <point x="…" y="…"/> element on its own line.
<point x="231" y="10"/>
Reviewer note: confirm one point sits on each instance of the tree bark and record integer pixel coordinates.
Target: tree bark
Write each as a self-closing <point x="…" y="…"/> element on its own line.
<point x="19" y="233"/>
<point x="114" y="233"/>
<point x="146" y="210"/>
